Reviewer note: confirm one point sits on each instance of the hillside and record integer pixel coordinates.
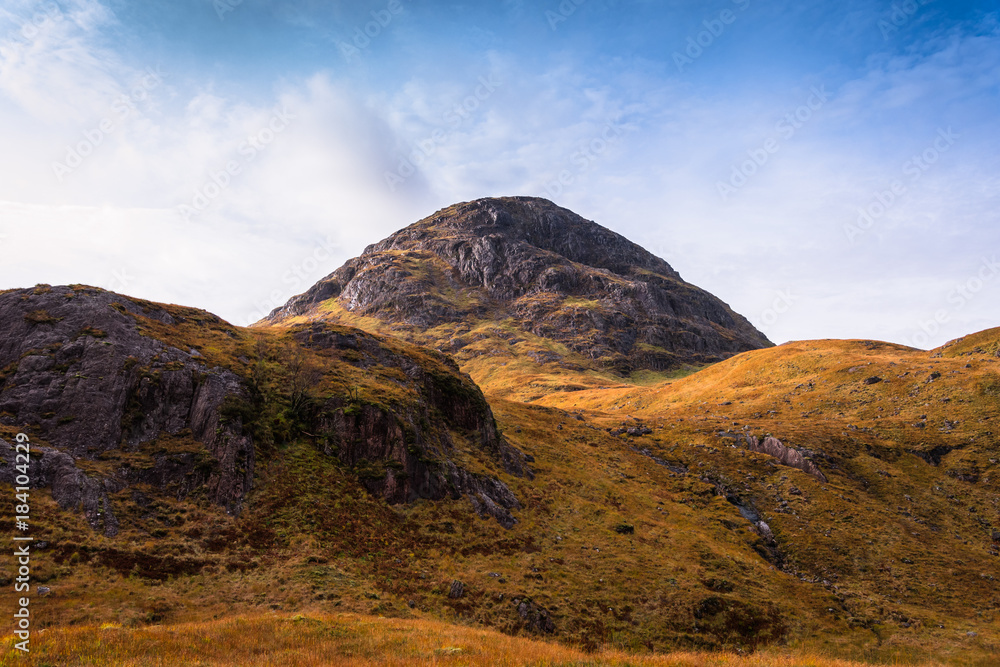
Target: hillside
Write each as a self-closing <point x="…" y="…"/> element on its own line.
<point x="634" y="517"/>
<point x="832" y="499"/>
<point x="520" y="280"/>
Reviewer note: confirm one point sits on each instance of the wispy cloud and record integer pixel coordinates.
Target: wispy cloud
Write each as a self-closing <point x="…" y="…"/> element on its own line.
<point x="51" y="65"/>
<point x="287" y="174"/>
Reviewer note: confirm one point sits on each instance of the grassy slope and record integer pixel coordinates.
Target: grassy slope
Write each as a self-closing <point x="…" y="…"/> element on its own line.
<point x="497" y="352"/>
<point x="344" y="639"/>
<point x="896" y="540"/>
<point x="691" y="574"/>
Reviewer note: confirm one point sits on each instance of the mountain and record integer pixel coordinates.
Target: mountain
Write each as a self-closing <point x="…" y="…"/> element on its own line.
<point x="153" y="397"/>
<point x="522" y="277"/>
<point x="811" y="500"/>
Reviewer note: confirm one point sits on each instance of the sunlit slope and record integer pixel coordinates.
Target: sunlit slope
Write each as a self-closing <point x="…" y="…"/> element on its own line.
<point x="982" y="343"/>
<point x="633" y="517"/>
<point x="903" y="525"/>
<point x="344" y="640"/>
<point x="819" y="382"/>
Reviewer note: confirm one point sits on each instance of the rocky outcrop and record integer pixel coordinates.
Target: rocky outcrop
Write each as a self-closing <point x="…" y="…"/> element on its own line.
<point x="78" y="374"/>
<point x="549" y="271"/>
<point x="786" y="455"/>
<point x="84" y="374"/>
<point x="405" y="451"/>
<point x="533" y="617"/>
<point x="71" y="488"/>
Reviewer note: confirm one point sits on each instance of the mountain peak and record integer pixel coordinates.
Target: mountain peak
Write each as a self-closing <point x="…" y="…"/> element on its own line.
<point x="539" y="223"/>
<point x="534" y="267"/>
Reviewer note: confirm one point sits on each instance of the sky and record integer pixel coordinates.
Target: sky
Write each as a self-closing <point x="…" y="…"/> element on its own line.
<point x="829" y="170"/>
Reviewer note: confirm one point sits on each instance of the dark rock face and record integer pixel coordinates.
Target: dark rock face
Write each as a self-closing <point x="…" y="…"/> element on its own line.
<point x="555" y="274"/>
<point x="411" y="446"/>
<point x="71" y="487"/>
<point x="933" y="455"/>
<point x="77" y="371"/>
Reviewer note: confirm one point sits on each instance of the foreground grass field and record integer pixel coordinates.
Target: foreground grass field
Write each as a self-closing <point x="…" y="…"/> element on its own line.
<point x="342" y="639"/>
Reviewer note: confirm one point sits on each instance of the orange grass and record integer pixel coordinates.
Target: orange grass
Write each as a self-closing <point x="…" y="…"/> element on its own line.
<point x="342" y="639"/>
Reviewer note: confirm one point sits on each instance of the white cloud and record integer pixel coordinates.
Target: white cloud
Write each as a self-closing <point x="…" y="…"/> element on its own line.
<point x="50" y="67"/>
<point x="94" y="196"/>
<point x="313" y="193"/>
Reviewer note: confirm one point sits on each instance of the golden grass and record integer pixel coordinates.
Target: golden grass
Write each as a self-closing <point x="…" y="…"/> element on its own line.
<point x="890" y="560"/>
<point x="342" y="639"/>
<point x="336" y="549"/>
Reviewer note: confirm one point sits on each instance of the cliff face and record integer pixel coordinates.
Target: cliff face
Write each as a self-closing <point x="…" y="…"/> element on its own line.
<point x="119" y="394"/>
<point x="403" y="445"/>
<point x="76" y="372"/>
<point x="540" y="268"/>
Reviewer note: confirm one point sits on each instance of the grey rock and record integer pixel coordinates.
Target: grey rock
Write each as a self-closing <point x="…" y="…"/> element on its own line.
<point x="535" y="618"/>
<point x="414" y="440"/>
<point x="786" y="455"/>
<point x="78" y="371"/>
<point x="519" y="258"/>
<point x="71" y="488"/>
<point x="765" y="531"/>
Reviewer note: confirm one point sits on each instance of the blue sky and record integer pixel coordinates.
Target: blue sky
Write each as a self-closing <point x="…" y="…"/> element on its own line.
<point x="830" y="170"/>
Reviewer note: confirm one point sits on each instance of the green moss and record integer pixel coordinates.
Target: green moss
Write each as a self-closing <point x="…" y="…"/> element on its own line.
<point x="374" y="470"/>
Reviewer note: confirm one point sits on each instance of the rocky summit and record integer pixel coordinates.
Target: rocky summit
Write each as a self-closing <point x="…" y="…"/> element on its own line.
<point x="537" y="274"/>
